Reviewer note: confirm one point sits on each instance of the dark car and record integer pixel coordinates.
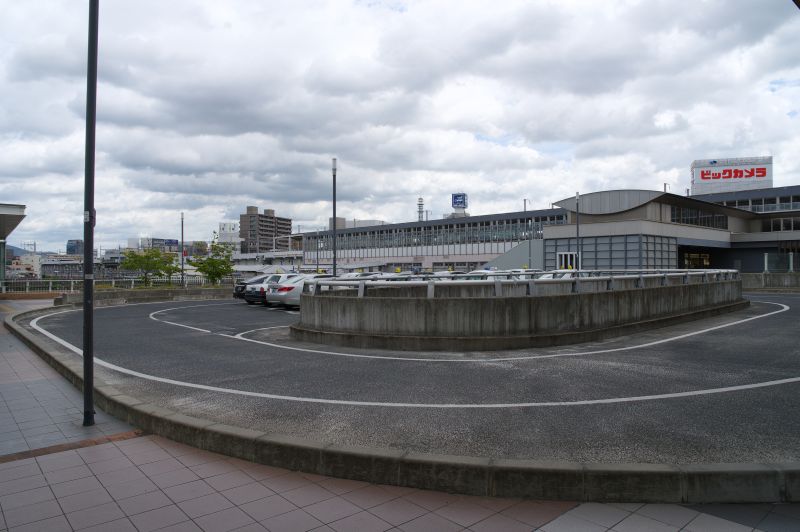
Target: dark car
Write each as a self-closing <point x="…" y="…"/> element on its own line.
<point x="240" y="286"/>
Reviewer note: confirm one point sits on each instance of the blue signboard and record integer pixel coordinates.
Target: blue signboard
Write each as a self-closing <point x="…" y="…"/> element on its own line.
<point x="459" y="200"/>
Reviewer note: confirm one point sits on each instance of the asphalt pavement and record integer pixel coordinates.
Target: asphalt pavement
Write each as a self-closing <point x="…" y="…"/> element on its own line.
<point x="722" y="389"/>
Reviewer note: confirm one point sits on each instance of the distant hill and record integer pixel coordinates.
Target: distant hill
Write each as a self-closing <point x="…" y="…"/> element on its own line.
<point x="14" y="250"/>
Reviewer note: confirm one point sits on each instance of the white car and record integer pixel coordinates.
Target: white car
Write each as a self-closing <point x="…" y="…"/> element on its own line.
<point x="255" y="293"/>
<point x="562" y="274"/>
<point x="288" y="291"/>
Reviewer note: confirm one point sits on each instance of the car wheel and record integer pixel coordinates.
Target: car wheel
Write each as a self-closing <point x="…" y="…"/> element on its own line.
<point x="250" y="302"/>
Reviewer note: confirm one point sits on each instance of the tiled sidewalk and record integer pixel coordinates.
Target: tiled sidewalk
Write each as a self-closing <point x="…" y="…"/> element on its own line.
<point x="39" y="408"/>
<point x="151" y="483"/>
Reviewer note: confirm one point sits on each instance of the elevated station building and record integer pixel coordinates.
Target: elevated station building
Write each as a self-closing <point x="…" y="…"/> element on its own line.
<point x="608" y="230"/>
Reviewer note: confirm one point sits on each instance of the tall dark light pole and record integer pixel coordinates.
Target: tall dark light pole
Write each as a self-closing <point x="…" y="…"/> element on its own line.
<point x="183" y="281"/>
<point x="578" y="230"/>
<point x="334" y="216"/>
<point x="528" y="228"/>
<point x="89" y="220"/>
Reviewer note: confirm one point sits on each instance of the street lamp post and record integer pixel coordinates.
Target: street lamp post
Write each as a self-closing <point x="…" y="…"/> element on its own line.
<point x="578" y="230"/>
<point x="89" y="220"/>
<point x="334" y="216"/>
<point x="528" y="229"/>
<point x="183" y="279"/>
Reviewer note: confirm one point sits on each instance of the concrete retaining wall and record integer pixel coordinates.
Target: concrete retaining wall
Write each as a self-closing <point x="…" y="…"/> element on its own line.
<point x="756" y="281"/>
<point x="498" y="322"/>
<point x="120" y="297"/>
<point x="28" y="295"/>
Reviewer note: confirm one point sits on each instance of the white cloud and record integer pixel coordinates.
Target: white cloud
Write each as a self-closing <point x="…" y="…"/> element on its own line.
<point x="206" y="107"/>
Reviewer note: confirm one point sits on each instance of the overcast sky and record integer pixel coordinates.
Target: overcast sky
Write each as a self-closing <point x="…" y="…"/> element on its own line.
<point x="206" y="106"/>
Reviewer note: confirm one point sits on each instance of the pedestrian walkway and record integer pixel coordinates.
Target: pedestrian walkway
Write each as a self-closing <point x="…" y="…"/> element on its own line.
<point x="38" y="407"/>
<point x="57" y="475"/>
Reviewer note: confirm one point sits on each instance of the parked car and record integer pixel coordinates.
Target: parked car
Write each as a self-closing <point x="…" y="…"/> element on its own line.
<point x="254" y="293"/>
<point x="563" y="274"/>
<point x="287" y="292"/>
<point x="356" y="276"/>
<point x="240" y="286"/>
<point x="525" y="273"/>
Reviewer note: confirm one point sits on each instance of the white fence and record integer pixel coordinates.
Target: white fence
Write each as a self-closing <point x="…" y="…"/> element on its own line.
<point x="76" y="285"/>
<point x="503" y="284"/>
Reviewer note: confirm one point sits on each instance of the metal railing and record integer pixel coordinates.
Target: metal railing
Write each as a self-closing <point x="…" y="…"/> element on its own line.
<point x="76" y="285"/>
<point x="773" y="207"/>
<point x="503" y="284"/>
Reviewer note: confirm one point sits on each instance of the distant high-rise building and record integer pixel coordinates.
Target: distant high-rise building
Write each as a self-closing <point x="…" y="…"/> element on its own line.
<point x="74" y="247"/>
<point x="263" y="232"/>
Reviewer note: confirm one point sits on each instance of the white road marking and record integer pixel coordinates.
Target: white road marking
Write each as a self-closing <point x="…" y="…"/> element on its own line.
<point x="613" y="400"/>
<point x="153" y="314"/>
<point x="784" y="308"/>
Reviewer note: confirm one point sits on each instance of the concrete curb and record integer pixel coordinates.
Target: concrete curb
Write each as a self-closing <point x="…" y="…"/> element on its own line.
<point x="665" y="483"/>
<point x="121" y="296"/>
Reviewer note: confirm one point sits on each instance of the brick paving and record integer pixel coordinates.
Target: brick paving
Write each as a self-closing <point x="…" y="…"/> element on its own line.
<point x="145" y="482"/>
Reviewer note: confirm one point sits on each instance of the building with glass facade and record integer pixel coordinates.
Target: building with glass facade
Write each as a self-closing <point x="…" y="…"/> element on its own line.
<point x="608" y="230"/>
<point x="454" y="243"/>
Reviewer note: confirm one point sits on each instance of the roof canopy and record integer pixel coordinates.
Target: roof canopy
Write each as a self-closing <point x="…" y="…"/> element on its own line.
<point x="10" y="217"/>
<point x="617" y="201"/>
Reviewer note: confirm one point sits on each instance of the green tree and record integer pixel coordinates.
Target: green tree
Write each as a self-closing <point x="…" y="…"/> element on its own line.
<point x="149" y="262"/>
<point x="217" y="264"/>
<point x="171" y="269"/>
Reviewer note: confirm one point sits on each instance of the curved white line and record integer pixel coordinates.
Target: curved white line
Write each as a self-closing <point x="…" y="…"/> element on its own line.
<point x="152" y="315"/>
<point x="518" y="358"/>
<point x="613" y="400"/>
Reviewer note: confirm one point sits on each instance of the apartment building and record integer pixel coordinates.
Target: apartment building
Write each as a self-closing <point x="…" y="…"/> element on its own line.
<point x="262" y="232"/>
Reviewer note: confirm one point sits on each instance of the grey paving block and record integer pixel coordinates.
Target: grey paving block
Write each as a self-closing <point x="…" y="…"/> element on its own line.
<point x="84" y="500"/>
<point x="24" y="498"/>
<point x="744" y="514"/>
<point x="32" y="512"/>
<point x="144" y="502"/>
<point x="54" y="524"/>
<point x="224" y="520"/>
<point x="158" y="518"/>
<point x="103" y="513"/>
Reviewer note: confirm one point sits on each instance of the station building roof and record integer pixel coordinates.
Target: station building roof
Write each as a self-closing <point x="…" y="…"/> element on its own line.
<point x="618" y="201"/>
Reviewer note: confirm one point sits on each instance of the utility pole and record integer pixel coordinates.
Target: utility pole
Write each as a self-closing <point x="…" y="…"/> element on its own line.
<point x="334" y="216"/>
<point x="89" y="219"/>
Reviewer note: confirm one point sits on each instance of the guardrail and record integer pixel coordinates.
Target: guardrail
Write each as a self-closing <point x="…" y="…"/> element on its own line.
<point x="76" y="285"/>
<point x="504" y="284"/>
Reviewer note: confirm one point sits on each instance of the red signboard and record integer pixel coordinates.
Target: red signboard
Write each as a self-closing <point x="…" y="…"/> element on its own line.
<point x="757" y="172"/>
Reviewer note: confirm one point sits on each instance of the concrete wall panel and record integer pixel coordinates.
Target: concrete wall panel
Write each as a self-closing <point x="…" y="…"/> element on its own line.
<point x="514" y="316"/>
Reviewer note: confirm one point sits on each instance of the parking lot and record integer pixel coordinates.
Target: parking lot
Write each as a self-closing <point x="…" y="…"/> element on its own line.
<point x="720" y="390"/>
